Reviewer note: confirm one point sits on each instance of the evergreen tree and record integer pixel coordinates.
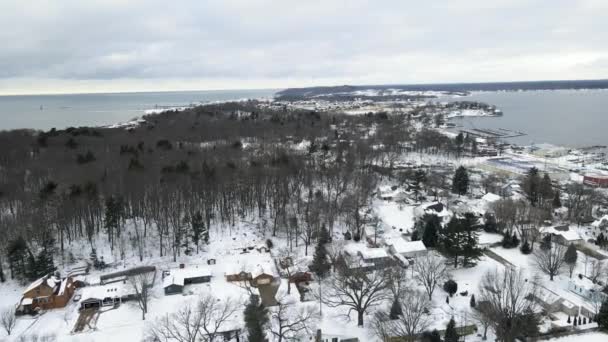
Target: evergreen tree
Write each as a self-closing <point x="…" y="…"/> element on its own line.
<point x="430" y="237"/>
<point x="459" y="142"/>
<point x="451" y="335"/>
<point x="490" y="224"/>
<point x="525" y="248"/>
<point x="546" y="189"/>
<point x="557" y="202"/>
<point x="470" y="249"/>
<point x="419" y="179"/>
<point x="431" y="336"/>
<point x="113" y="215"/>
<point x="395" y="309"/>
<point x="602" y="316"/>
<point x="320" y="265"/>
<point x="199" y="231"/>
<point x="256" y="319"/>
<point x="545" y="243"/>
<point x="452" y="239"/>
<point x="472" y="302"/>
<point x="570" y="258"/>
<point x="17" y="253"/>
<point x="532" y="185"/>
<point x="324" y="235"/>
<point x="460" y="182"/>
<point x="451" y="287"/>
<point x="569" y="321"/>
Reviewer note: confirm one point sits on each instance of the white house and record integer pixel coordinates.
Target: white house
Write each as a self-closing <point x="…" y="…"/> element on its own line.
<point x="408" y="249"/>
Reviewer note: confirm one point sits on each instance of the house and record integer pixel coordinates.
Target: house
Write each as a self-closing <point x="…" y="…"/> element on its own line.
<point x="106" y="295"/>
<point x="564" y="235"/>
<point x="360" y="256"/>
<point x="175" y="280"/>
<point x="407" y="249"/>
<point x="48" y="292"/>
<point x="551" y="302"/>
<point x="262" y="274"/>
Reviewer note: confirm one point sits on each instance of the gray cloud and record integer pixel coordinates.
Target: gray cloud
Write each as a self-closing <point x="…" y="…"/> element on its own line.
<point x="231" y="43"/>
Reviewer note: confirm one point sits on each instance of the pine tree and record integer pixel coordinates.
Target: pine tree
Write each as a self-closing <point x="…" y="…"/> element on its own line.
<point x="557" y="202"/>
<point x="324" y="236"/>
<point x="532" y="186"/>
<point x="472" y="302"/>
<point x="460" y="182"/>
<point x="470" y="249"/>
<point x="430" y="237"/>
<point x="451" y="287"/>
<point x="579" y="320"/>
<point x="569" y="321"/>
<point x="602" y="316"/>
<point x="320" y="265"/>
<point x="112" y="219"/>
<point x="395" y="309"/>
<point x="545" y="243"/>
<point x="452" y="239"/>
<point x="570" y="258"/>
<point x="525" y="248"/>
<point x="17" y="253"/>
<point x="451" y="335"/>
<point x="546" y="189"/>
<point x="256" y="319"/>
<point x="199" y="231"/>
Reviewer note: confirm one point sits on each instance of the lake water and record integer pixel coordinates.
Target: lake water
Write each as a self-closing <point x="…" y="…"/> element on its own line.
<point x="575" y="118"/>
<point x="61" y="111"/>
<point x="563" y="117"/>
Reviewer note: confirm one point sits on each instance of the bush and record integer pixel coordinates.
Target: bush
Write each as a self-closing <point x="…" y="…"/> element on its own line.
<point x="525" y="248"/>
<point x="451" y="287"/>
<point x="269" y="243"/>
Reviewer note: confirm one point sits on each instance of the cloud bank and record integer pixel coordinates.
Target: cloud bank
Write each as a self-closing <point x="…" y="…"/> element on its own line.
<point x="114" y="45"/>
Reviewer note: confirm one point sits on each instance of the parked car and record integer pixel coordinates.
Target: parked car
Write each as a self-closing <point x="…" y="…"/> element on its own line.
<point x="76" y="297"/>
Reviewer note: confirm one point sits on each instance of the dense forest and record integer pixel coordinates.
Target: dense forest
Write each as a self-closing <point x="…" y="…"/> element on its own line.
<point x="178" y="173"/>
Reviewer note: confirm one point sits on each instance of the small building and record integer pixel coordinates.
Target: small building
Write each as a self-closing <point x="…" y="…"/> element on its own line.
<point x="360" y="256"/>
<point x="48" y="292"/>
<point x="262" y="274"/>
<point x="564" y="235"/>
<point x="106" y="295"/>
<point x="175" y="280"/>
<point x="408" y="249"/>
<point x="325" y="337"/>
<point x="596" y="179"/>
<point x="123" y="275"/>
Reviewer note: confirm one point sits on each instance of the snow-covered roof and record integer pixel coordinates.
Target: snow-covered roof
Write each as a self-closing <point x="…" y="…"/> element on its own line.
<point x="599" y="222"/>
<point x="103" y="291"/>
<point x="27" y="301"/>
<point x="401" y="246"/>
<point x="364" y="251"/>
<point x="51" y="281"/>
<point x="64" y="284"/>
<point x="569" y="235"/>
<point x="179" y="275"/>
<point x="490" y="197"/>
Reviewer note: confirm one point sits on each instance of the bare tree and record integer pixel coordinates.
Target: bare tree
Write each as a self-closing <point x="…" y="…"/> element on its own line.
<point x="482" y="315"/>
<point x="357" y="290"/>
<point x="199" y="321"/>
<point x="507" y="297"/>
<point x="289" y="322"/>
<point x="141" y="284"/>
<point x="334" y="250"/>
<point x="430" y="271"/>
<point x="551" y="260"/>
<point x="598" y="269"/>
<point x="414" y="318"/>
<point x="8" y="319"/>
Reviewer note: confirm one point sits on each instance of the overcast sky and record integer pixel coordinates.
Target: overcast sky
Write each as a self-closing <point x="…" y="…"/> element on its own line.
<point x="120" y="45"/>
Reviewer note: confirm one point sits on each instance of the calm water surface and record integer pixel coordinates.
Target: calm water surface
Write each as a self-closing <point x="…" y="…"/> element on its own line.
<point x="574" y="118"/>
<point x="61" y="111"/>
